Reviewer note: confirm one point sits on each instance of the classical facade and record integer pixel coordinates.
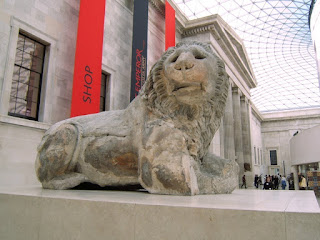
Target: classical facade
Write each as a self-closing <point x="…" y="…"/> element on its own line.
<point x="260" y="143"/>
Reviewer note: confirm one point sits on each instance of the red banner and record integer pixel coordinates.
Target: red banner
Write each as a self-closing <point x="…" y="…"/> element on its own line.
<point x="170" y="26"/>
<point x="88" y="58"/>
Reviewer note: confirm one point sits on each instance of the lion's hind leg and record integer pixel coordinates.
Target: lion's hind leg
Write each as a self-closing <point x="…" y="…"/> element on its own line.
<point x="54" y="165"/>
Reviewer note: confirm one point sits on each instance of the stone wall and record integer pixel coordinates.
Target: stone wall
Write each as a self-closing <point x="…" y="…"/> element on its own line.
<point x="18" y="148"/>
<point x="258" y="160"/>
<point x="304" y="147"/>
<point x="54" y="24"/>
<point x="117" y="51"/>
<point x="279" y="128"/>
<point x="156" y="34"/>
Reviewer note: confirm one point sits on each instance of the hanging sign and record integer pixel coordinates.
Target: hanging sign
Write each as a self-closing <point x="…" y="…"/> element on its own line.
<point x="139" y="47"/>
<point x="88" y="58"/>
<point x="170" y="26"/>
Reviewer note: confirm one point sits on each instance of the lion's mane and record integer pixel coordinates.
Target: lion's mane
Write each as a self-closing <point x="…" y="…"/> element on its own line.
<point x="199" y="122"/>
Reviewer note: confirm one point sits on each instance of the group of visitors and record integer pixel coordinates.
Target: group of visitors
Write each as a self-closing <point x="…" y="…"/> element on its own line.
<point x="275" y="182"/>
<point x="271" y="182"/>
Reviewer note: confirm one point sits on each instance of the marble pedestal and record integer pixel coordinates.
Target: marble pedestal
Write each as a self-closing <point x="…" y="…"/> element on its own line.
<point x="34" y="213"/>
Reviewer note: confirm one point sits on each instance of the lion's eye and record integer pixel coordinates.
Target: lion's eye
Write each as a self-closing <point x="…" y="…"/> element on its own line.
<point x="199" y="55"/>
<point x="174" y="59"/>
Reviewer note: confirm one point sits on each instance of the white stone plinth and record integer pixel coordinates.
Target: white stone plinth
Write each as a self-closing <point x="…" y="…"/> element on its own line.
<point x="34" y="213"/>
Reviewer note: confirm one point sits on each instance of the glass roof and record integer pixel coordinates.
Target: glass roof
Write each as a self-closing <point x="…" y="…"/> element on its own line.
<point x="277" y="38"/>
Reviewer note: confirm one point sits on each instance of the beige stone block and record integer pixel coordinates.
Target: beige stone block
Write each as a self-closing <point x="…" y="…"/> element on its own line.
<point x="34" y="213"/>
<point x="78" y="219"/>
<point x="19" y="217"/>
<point x="203" y="223"/>
<point x="302" y="226"/>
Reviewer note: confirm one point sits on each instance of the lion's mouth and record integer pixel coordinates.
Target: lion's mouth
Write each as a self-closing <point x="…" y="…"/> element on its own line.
<point x="187" y="87"/>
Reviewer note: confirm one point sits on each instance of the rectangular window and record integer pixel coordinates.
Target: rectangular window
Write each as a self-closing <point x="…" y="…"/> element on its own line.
<point x="261" y="156"/>
<point x="27" y="78"/>
<point x="258" y="156"/>
<point x="273" y="157"/>
<point x="105" y="92"/>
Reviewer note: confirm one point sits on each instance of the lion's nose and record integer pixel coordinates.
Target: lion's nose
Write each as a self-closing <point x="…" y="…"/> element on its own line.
<point x="184" y="62"/>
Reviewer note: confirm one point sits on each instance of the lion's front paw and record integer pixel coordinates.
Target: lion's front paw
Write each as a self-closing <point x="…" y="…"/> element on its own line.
<point x="170" y="178"/>
<point x="217" y="175"/>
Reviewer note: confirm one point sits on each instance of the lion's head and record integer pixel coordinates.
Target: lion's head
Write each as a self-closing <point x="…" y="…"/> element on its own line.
<point x="189" y="85"/>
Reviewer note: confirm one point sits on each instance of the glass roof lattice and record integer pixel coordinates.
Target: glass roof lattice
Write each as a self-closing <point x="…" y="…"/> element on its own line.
<point x="277" y="38"/>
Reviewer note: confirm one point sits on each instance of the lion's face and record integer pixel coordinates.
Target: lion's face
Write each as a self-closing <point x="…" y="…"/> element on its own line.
<point x="190" y="73"/>
<point x="189" y="85"/>
<point x="189" y="80"/>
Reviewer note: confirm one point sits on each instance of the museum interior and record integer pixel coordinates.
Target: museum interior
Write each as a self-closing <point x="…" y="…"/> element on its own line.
<point x="270" y="125"/>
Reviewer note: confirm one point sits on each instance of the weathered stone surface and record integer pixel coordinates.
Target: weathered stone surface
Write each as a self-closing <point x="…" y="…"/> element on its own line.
<point x="160" y="141"/>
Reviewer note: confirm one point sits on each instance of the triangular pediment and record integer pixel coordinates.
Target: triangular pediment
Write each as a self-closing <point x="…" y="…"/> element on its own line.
<point x="240" y="50"/>
<point x="230" y="43"/>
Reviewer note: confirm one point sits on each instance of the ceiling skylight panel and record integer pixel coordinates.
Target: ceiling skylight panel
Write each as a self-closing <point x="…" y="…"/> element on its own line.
<point x="282" y="57"/>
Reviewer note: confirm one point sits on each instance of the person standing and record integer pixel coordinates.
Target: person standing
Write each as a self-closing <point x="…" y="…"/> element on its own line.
<point x="276" y="182"/>
<point x="260" y="180"/>
<point x="256" y="179"/>
<point x="303" y="183"/>
<point x="283" y="183"/>
<point x="244" y="182"/>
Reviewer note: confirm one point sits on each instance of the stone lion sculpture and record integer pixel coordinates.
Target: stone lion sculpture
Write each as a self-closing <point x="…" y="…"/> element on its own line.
<point x="159" y="141"/>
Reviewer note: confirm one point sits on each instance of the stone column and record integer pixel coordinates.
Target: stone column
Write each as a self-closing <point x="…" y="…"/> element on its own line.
<point x="228" y="125"/>
<point x="246" y="138"/>
<point x="294" y="170"/>
<point x="238" y="130"/>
